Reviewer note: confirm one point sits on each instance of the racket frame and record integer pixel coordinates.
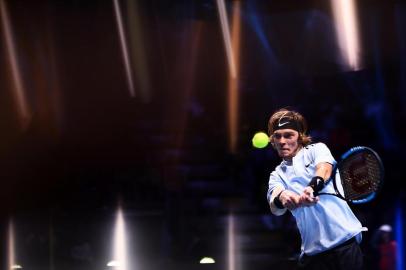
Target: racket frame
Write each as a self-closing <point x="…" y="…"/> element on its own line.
<point x="333" y="177"/>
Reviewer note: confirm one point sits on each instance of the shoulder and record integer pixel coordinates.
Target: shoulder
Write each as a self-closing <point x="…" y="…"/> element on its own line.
<point x="317" y="147"/>
<point x="320" y="153"/>
<point x="278" y="170"/>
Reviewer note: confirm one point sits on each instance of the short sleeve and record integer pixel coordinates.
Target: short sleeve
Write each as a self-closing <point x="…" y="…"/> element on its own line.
<point x="322" y="154"/>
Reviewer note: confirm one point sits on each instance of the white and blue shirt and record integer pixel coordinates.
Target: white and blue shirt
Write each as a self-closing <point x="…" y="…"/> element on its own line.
<point x="330" y="221"/>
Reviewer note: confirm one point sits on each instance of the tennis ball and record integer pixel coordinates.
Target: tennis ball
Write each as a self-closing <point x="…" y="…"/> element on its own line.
<point x="260" y="140"/>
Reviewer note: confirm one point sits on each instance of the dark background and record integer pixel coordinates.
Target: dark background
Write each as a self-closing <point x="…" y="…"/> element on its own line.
<point x="88" y="146"/>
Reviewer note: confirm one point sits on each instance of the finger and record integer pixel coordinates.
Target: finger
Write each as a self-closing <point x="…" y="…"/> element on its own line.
<point x="291" y="204"/>
<point x="307" y="200"/>
<point x="296" y="199"/>
<point x="313" y="200"/>
<point x="308" y="192"/>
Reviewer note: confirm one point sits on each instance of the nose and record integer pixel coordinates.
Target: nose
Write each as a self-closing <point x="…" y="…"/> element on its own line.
<point x="281" y="143"/>
<point x="282" y="140"/>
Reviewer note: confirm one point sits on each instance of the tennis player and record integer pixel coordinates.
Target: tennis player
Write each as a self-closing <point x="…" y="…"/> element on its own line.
<point x="329" y="230"/>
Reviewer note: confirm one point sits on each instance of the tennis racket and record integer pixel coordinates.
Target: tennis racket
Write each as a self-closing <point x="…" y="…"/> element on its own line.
<point x="361" y="173"/>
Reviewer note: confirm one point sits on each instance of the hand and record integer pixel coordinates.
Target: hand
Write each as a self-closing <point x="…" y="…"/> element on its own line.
<point x="307" y="198"/>
<point x="289" y="199"/>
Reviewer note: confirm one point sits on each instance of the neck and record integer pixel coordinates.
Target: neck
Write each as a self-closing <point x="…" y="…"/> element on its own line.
<point x="289" y="159"/>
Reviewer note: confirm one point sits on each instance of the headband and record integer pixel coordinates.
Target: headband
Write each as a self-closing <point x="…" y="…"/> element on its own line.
<point x="286" y="122"/>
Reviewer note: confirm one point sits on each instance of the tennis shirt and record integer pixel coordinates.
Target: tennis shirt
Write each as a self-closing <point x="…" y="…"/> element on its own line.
<point x="328" y="223"/>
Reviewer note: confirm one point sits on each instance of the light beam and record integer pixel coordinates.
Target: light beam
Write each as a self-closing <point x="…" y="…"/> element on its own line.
<point x="120" y="245"/>
<point x="124" y="48"/>
<point x="11" y="54"/>
<point x="233" y="97"/>
<point x="347" y="31"/>
<point x="226" y="36"/>
<point x="11" y="257"/>
<point x="231" y="243"/>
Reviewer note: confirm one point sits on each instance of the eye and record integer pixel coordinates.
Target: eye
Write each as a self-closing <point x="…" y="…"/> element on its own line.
<point x="277" y="136"/>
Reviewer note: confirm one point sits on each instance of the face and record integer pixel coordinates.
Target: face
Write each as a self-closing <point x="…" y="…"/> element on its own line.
<point x="286" y="142"/>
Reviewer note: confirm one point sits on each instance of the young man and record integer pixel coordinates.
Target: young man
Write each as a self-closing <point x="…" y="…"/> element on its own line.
<point x="329" y="230"/>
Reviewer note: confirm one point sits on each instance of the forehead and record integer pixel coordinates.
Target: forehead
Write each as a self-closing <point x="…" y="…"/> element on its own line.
<point x="286" y="130"/>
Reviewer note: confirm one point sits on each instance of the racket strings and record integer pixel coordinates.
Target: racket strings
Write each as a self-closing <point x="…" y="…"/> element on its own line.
<point x="360" y="175"/>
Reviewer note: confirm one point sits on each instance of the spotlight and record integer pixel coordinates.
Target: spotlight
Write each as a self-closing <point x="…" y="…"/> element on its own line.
<point x="207" y="260"/>
<point x="113" y="264"/>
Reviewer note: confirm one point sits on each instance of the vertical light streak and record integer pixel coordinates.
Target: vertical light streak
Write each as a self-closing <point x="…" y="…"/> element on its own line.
<point x="231" y="243"/>
<point x="120" y="246"/>
<point x="232" y="115"/>
<point x="19" y="92"/>
<point x="137" y="47"/>
<point x="233" y="98"/>
<point x="51" y="245"/>
<point x="226" y="36"/>
<point x="347" y="31"/>
<point x="399" y="238"/>
<point x="124" y="49"/>
<point x="10" y="245"/>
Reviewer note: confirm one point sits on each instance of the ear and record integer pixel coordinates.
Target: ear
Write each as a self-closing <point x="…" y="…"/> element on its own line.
<point x="300" y="139"/>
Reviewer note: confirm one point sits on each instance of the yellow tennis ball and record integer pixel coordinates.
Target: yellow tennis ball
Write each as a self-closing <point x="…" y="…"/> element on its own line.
<point x="260" y="140"/>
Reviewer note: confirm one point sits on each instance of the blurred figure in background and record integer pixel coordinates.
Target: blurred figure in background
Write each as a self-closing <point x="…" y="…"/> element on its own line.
<point x="384" y="245"/>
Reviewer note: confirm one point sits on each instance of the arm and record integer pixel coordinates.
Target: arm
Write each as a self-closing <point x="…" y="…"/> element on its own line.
<point x="323" y="170"/>
<point x="274" y="209"/>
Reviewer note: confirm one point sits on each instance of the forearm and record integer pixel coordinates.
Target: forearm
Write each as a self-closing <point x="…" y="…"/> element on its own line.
<point x="324" y="170"/>
<point x="322" y="174"/>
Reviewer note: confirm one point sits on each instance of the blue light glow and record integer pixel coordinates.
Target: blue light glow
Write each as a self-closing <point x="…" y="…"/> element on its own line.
<point x="399" y="237"/>
<point x="256" y="24"/>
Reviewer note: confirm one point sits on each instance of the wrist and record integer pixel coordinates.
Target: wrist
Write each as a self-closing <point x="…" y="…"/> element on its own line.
<point x="277" y="201"/>
<point x="317" y="183"/>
